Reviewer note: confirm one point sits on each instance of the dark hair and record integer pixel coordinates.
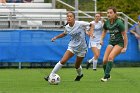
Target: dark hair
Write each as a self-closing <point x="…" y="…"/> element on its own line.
<point x="71" y="13"/>
<point x="114" y="10"/>
<point x="98" y="13"/>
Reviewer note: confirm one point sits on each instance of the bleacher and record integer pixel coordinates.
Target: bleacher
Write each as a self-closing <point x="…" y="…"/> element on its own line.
<point x="27" y="6"/>
<point x="30" y="16"/>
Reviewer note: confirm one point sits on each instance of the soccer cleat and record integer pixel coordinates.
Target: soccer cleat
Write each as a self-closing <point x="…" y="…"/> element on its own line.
<point x="46" y="78"/>
<point x="104" y="79"/>
<point x="109" y="78"/>
<point x="94" y="69"/>
<point x="78" y="78"/>
<point x="88" y="65"/>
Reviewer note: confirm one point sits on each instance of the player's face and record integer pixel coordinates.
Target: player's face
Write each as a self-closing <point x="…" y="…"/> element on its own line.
<point x="110" y="14"/>
<point x="97" y="17"/>
<point x="70" y="18"/>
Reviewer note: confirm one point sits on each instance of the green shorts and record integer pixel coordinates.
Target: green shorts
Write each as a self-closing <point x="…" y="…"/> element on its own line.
<point x="121" y="44"/>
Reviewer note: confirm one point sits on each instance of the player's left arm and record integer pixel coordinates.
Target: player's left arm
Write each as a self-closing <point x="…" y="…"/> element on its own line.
<point x="91" y="30"/>
<point x="124" y="34"/>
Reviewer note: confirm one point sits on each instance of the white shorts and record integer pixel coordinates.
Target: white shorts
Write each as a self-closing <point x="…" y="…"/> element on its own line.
<point x="94" y="44"/>
<point x="81" y="53"/>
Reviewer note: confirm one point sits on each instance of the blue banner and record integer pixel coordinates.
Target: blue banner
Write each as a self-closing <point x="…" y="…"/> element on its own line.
<point x="36" y="46"/>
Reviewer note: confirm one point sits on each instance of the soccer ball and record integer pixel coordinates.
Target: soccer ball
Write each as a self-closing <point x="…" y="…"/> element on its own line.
<point x="54" y="79"/>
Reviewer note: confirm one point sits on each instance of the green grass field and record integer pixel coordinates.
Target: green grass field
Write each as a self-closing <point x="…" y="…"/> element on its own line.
<point x="124" y="80"/>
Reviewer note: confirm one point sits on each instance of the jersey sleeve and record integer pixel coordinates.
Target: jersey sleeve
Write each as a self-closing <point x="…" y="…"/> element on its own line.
<point x="65" y="30"/>
<point x="121" y="25"/>
<point x="84" y="24"/>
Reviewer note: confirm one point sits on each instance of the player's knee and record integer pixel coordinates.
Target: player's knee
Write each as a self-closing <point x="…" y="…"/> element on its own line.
<point x="77" y="66"/>
<point x="104" y="61"/>
<point x="96" y="56"/>
<point x="110" y="58"/>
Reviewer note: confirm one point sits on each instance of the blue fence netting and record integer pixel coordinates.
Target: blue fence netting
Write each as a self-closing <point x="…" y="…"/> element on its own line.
<point x="36" y="46"/>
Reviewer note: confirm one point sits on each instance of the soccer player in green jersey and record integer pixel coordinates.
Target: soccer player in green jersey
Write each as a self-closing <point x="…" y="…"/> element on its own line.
<point x="117" y="42"/>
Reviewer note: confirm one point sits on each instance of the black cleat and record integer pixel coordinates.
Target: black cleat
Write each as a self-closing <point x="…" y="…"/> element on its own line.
<point x="88" y="65"/>
<point x="46" y="78"/>
<point x="94" y="69"/>
<point x="78" y="78"/>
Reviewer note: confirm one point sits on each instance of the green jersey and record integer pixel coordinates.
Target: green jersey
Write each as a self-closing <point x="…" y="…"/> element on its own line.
<point x="115" y="30"/>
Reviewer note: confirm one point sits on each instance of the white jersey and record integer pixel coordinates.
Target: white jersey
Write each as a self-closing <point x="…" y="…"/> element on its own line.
<point x="98" y="27"/>
<point x="77" y="33"/>
<point x="95" y="42"/>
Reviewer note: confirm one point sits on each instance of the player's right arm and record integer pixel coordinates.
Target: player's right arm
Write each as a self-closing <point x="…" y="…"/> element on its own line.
<point x="102" y="36"/>
<point x="136" y="35"/>
<point x="103" y="33"/>
<point x="59" y="36"/>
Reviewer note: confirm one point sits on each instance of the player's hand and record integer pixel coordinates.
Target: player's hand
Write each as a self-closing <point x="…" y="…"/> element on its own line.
<point x="123" y="50"/>
<point x="91" y="35"/>
<point x="87" y="33"/>
<point x="53" y="39"/>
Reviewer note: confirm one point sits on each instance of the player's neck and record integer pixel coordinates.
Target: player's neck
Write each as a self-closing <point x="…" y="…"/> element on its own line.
<point x="71" y="24"/>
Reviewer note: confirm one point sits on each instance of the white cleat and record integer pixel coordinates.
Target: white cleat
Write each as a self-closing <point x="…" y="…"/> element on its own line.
<point x="104" y="79"/>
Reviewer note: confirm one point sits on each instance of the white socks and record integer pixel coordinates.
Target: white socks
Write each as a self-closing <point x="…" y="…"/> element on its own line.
<point x="94" y="64"/>
<point x="79" y="71"/>
<point x="59" y="65"/>
<point x="91" y="60"/>
<point x="56" y="68"/>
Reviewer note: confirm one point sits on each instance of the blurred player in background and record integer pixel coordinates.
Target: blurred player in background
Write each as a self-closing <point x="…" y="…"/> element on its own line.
<point x="117" y="42"/>
<point x="136" y="31"/>
<point x="94" y="42"/>
<point x="77" y="45"/>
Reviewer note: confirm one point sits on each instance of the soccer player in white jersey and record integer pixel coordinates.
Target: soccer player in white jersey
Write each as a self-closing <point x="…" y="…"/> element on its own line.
<point x="77" y="45"/>
<point x="94" y="42"/>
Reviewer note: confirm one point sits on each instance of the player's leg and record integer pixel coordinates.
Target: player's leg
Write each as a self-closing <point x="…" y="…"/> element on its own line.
<point x="89" y="63"/>
<point x="105" y="59"/>
<point x="92" y="45"/>
<point x="96" y="52"/>
<point x="78" y="68"/>
<point x="115" y="51"/>
<point x="68" y="54"/>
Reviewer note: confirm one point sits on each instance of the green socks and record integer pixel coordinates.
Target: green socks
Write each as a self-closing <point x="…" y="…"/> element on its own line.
<point x="104" y="67"/>
<point x="108" y="69"/>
